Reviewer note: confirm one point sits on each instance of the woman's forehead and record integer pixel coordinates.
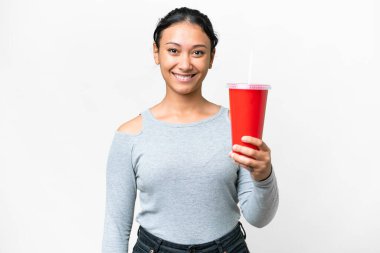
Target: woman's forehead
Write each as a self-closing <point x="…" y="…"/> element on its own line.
<point x="185" y="34"/>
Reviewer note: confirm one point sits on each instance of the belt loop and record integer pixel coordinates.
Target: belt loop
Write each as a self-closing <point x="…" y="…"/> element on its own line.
<point x="190" y="249"/>
<point x="244" y="234"/>
<point x="220" y="248"/>
<point x="157" y="246"/>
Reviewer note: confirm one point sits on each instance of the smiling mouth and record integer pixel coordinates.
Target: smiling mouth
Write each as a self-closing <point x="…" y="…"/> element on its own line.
<point x="183" y="78"/>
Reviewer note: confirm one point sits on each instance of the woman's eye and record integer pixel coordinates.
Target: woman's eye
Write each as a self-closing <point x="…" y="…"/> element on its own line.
<point x="172" y="50"/>
<point x="198" y="53"/>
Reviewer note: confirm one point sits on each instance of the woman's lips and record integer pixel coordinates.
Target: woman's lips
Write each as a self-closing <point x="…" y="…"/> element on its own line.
<point x="184" y="77"/>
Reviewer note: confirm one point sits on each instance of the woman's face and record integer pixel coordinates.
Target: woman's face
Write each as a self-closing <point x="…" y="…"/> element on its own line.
<point x="184" y="56"/>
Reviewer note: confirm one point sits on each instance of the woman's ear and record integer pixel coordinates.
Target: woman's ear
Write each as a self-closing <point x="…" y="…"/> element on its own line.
<point x="212" y="58"/>
<point x="155" y="54"/>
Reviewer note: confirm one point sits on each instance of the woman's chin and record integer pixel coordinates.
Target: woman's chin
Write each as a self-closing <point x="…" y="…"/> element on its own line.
<point x="184" y="89"/>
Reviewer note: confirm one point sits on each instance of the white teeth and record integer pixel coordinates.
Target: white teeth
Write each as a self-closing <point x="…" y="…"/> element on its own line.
<point x="182" y="77"/>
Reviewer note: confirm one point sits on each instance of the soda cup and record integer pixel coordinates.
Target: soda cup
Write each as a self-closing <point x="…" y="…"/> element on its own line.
<point x="247" y="111"/>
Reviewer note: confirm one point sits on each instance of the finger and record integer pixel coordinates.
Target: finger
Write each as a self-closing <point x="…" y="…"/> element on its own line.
<point x="248" y="151"/>
<point x="245" y="161"/>
<point x="257" y="169"/>
<point x="255" y="141"/>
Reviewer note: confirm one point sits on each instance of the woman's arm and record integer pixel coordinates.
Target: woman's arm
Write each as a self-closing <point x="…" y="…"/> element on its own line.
<point x="121" y="195"/>
<point x="258" y="199"/>
<point x="257" y="186"/>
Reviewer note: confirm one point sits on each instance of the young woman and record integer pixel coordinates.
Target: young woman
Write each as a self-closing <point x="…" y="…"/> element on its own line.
<point x="178" y="155"/>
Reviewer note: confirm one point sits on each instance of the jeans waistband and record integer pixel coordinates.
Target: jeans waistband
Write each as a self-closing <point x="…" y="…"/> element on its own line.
<point x="221" y="242"/>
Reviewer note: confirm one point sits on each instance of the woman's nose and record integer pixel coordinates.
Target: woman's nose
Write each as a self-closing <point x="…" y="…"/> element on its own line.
<point x="185" y="62"/>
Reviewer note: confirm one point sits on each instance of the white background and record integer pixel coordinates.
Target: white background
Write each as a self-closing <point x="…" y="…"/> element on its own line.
<point x="72" y="71"/>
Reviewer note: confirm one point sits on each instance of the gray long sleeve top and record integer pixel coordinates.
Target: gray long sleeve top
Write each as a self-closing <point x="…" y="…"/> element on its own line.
<point x="189" y="186"/>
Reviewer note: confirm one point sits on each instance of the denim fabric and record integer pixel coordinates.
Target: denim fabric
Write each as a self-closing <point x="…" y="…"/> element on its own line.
<point x="232" y="242"/>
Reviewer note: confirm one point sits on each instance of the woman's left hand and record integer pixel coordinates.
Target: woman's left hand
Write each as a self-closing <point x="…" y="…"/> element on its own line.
<point x="258" y="162"/>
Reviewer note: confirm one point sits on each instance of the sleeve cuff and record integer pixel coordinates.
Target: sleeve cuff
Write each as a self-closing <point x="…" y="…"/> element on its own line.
<point x="267" y="181"/>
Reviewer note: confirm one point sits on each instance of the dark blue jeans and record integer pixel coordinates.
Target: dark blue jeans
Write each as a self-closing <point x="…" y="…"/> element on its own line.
<point x="232" y="242"/>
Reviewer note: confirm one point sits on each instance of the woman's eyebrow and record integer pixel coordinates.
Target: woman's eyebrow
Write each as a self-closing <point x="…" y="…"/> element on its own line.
<point x="198" y="45"/>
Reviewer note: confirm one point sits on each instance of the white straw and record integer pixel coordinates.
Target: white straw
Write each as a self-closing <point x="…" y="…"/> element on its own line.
<point x="250" y="69"/>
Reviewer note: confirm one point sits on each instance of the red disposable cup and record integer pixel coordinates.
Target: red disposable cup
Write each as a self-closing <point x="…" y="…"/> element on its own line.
<point x="247" y="109"/>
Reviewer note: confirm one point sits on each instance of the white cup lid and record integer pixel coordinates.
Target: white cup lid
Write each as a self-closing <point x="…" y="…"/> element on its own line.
<point x="248" y="86"/>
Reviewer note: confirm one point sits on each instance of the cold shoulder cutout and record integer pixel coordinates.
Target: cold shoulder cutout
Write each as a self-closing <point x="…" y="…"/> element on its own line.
<point x="131" y="127"/>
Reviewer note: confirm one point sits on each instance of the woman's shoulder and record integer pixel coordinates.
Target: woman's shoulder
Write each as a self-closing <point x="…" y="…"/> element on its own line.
<point x="132" y="126"/>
